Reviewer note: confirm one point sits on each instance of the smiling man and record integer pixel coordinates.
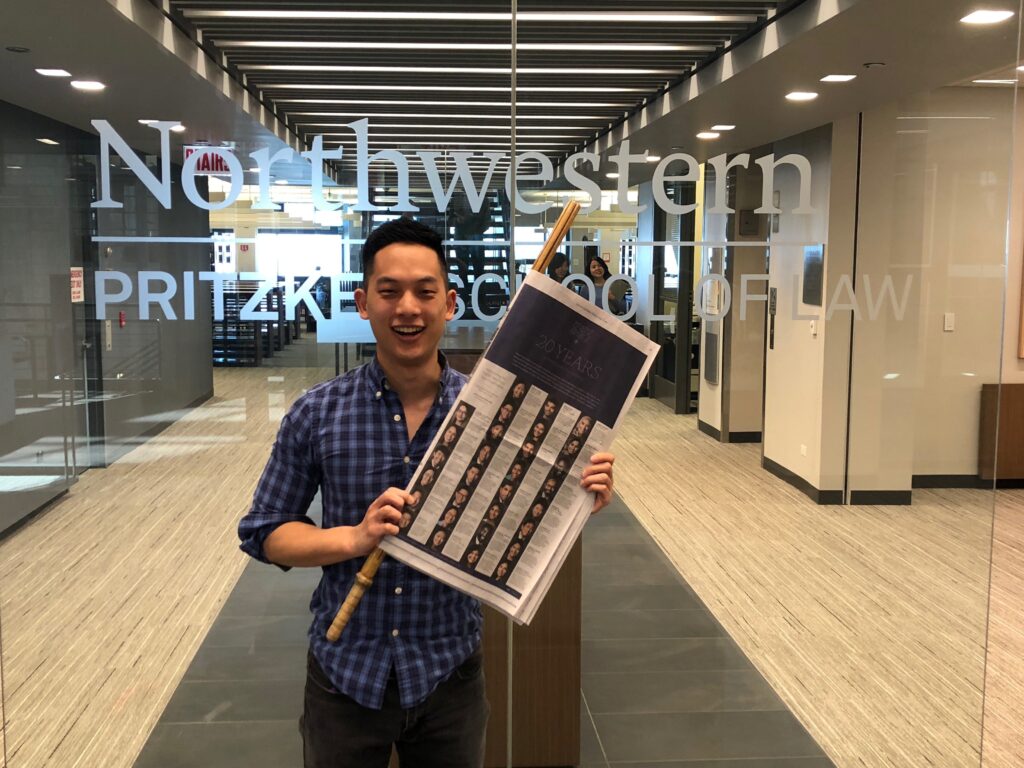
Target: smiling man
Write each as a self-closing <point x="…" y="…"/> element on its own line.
<point x="407" y="670"/>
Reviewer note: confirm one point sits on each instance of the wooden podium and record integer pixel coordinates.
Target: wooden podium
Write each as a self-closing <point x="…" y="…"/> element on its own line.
<point x="545" y="678"/>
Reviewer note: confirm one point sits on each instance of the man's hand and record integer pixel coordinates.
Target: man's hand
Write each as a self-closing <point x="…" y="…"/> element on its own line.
<point x="597" y="479"/>
<point x="380" y="520"/>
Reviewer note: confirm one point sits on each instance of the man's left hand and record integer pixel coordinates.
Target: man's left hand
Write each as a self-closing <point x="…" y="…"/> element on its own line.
<point x="597" y="479"/>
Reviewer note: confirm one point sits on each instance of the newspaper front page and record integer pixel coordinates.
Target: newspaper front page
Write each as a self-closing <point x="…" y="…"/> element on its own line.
<point x="497" y="498"/>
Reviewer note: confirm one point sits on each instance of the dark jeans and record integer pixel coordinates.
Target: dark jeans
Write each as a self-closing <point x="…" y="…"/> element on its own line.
<point x="445" y="731"/>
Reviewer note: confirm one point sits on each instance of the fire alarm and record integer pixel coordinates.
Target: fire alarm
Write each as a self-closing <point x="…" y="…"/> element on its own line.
<point x="122" y="319"/>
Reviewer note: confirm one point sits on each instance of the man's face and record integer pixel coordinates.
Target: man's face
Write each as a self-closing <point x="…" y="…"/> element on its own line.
<point x="472" y="474"/>
<point x="549" y="408"/>
<point x="483" y="455"/>
<point x="549" y="486"/>
<point x="436" y="458"/>
<point x="505" y="412"/>
<point x="538" y="430"/>
<point x="504" y="492"/>
<point x="406" y="303"/>
<point x="537" y="510"/>
<point x="449" y="516"/>
<point x="460" y="496"/>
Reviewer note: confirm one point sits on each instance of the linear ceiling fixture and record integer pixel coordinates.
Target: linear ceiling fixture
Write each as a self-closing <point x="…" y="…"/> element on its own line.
<point x="453" y="70"/>
<point x="451" y="88"/>
<point x="446" y="126"/>
<point x="54" y="72"/>
<point x="428" y="103"/>
<point x="838" y="78"/>
<point x="420" y="115"/>
<point x="452" y="46"/>
<point x="553" y="17"/>
<point x="801" y="96"/>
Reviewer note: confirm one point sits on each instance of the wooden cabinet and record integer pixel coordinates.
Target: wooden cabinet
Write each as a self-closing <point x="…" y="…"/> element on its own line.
<point x="1002" y="406"/>
<point x="545" y="678"/>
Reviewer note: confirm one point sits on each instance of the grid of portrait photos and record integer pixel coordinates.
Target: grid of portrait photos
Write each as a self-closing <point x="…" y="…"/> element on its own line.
<point x="450" y="436"/>
<point x="507" y="490"/>
<point x="545" y="496"/>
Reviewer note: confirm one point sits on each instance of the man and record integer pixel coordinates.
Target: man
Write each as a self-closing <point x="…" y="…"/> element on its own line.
<point x="406" y="671"/>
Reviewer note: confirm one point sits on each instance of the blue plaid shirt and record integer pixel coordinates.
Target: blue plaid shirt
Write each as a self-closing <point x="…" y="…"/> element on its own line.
<point x="347" y="438"/>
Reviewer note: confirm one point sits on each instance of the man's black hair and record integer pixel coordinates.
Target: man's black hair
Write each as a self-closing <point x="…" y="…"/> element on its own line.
<point x="403" y="230"/>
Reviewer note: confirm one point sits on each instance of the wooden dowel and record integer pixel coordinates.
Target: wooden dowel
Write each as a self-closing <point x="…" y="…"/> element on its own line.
<point x="369" y="570"/>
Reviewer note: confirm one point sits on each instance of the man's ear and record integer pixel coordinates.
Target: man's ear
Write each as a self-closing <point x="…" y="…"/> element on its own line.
<point x="361" y="303"/>
<point x="450" y="304"/>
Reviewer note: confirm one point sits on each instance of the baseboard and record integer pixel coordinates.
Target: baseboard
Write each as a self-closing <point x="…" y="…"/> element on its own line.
<point x="818" y="497"/>
<point x="707" y="429"/>
<point x="949" y="481"/>
<point x="880" y="498"/>
<point x="744" y="437"/>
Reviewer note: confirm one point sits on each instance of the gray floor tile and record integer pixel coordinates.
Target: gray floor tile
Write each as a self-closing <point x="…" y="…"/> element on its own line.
<point x="258" y="631"/>
<point x="223" y="745"/>
<point x="590" y="747"/>
<point x="231" y="663"/>
<point x="638" y="571"/>
<point x="778" y="762"/>
<point x="662" y="655"/>
<point x="211" y="701"/>
<point x="639" y="597"/>
<point x="693" y="691"/>
<point x="703" y="736"/>
<point x="649" y="624"/>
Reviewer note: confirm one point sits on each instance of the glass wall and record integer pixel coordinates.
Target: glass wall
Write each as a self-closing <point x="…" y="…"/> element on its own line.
<point x="807" y="562"/>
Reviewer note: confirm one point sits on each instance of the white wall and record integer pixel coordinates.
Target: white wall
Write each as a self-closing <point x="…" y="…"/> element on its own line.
<point x="795" y="371"/>
<point x="1013" y="366"/>
<point x="934" y="201"/>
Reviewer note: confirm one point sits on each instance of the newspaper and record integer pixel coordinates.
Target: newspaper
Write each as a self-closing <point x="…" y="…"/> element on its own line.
<point x="497" y="499"/>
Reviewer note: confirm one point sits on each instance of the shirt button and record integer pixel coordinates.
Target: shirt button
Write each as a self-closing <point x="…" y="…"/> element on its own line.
<point x="405" y="459"/>
<point x="398" y="590"/>
<point x="379" y="393"/>
<point x="394" y="633"/>
<point x="398" y="417"/>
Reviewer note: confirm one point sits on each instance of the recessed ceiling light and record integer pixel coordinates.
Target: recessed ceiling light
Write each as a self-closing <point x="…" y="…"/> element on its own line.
<point x="653" y="158"/>
<point x="147" y="122"/>
<point x="708" y="135"/>
<point x="54" y="72"/>
<point x="179" y="128"/>
<point x="802" y="96"/>
<point x="723" y="127"/>
<point x="987" y="17"/>
<point x="281" y="181"/>
<point x="14" y="167"/>
<point x="612" y="175"/>
<point x="88" y="85"/>
<point x="838" y="78"/>
<point x="51" y="142"/>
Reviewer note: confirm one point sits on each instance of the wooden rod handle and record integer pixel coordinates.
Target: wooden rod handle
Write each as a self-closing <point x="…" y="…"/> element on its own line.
<point x="365" y="576"/>
<point x="363" y="581"/>
<point x="558" y="234"/>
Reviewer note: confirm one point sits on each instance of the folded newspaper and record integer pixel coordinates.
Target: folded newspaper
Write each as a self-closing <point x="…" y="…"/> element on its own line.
<point x="497" y="498"/>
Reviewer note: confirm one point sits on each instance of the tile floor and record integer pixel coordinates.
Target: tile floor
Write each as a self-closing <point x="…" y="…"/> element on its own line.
<point x="663" y="686"/>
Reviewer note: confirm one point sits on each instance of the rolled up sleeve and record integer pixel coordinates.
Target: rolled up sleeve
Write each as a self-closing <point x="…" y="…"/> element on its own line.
<point x="289" y="482"/>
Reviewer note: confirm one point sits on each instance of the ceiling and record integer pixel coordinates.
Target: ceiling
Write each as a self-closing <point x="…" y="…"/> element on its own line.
<point x="438" y="76"/>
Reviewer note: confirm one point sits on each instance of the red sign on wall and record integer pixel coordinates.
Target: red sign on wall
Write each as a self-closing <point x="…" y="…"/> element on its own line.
<point x="209" y="162"/>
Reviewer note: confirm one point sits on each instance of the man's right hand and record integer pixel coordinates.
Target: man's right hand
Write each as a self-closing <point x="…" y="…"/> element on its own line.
<point x="380" y="520"/>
